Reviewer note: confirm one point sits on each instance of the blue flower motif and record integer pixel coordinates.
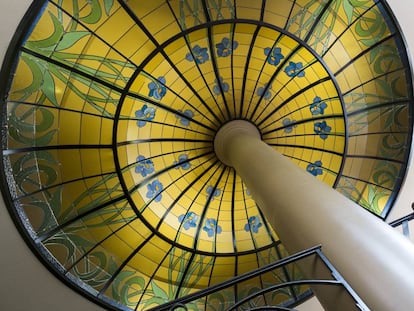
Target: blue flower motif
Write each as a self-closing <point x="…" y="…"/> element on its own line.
<point x="214" y="192"/>
<point x="225" y="47"/>
<point x="261" y="92"/>
<point x="295" y="69"/>
<point x="185" y="121"/>
<point x="157" y="89"/>
<point x="182" y="162"/>
<point x="253" y="224"/>
<point x="199" y="55"/>
<point x="224" y="86"/>
<point x="146" y="114"/>
<point x="322" y="129"/>
<point x="154" y="190"/>
<point x="318" y="106"/>
<point x="144" y="166"/>
<point x="189" y="220"/>
<point x="287" y="123"/>
<point x="211" y="227"/>
<point x="274" y="56"/>
<point x="315" y="168"/>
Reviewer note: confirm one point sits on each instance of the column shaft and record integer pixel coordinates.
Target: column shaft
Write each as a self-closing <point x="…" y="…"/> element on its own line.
<point x="376" y="261"/>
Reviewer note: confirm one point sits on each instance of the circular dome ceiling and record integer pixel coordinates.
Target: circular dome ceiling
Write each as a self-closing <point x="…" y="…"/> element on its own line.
<point x="110" y="109"/>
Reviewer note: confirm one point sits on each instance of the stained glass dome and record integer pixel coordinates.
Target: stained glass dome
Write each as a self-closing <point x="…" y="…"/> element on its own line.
<point x="109" y="113"/>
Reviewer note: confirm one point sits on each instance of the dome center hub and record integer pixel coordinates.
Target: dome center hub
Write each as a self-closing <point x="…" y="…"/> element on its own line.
<point x="227" y="132"/>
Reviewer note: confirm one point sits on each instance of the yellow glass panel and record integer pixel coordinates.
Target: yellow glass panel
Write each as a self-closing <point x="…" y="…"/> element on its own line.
<point x="246" y="263"/>
<point x="161" y="205"/>
<point x="115" y="27"/>
<point x="249" y="9"/>
<point x="45" y="25"/>
<point x="161" y="23"/>
<point x="138" y="51"/>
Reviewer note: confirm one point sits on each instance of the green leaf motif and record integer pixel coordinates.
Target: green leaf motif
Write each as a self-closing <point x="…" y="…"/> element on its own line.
<point x="129" y="289"/>
<point x="158" y="291"/>
<point x="40" y="120"/>
<point x="95" y="13"/>
<point x="125" y="285"/>
<point x="108" y="6"/>
<point x="50" y="42"/>
<point x="28" y="168"/>
<point x="385" y="176"/>
<point x="92" y="272"/>
<point x="370" y="29"/>
<point x="80" y="241"/>
<point x="349" y="10"/>
<point x="49" y="209"/>
<point x="37" y="79"/>
<point x="70" y="38"/>
<point x="160" y="296"/>
<point x="48" y="87"/>
<point x="358" y="3"/>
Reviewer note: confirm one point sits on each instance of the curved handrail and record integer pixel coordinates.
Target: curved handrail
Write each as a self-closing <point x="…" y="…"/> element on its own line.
<point x="284" y="284"/>
<point x="335" y="279"/>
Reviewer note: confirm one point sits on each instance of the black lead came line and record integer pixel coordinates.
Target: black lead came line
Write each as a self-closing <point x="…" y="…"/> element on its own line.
<point x="72" y="69"/>
<point x="188" y="43"/>
<point x="299" y="122"/>
<point x="41" y="238"/>
<point x="8" y="152"/>
<point x="168" y="109"/>
<point x="286" y="101"/>
<point x="121" y="54"/>
<point x="250" y="52"/>
<point x="307" y="148"/>
<point x="107" y="84"/>
<point x="364" y="52"/>
<point x="150" y="140"/>
<point x="187" y="188"/>
<point x="291" y="54"/>
<point x="246" y="71"/>
<point x="198" y="230"/>
<point x="160" y="49"/>
<point x="214" y="60"/>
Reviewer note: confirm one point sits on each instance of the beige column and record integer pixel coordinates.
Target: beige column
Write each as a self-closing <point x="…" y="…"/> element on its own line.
<point x="375" y="260"/>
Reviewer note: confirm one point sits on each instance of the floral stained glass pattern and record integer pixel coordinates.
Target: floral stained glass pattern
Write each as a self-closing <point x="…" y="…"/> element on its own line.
<point x="154" y="190"/>
<point x="111" y="113"/>
<point x="295" y="70"/>
<point x="315" y="168"/>
<point x="211" y="227"/>
<point x="253" y="224"/>
<point x="322" y="129"/>
<point x="264" y="91"/>
<point x="218" y="88"/>
<point x="144" y="166"/>
<point x="144" y="115"/>
<point x="188" y="220"/>
<point x="226" y="47"/>
<point x="274" y="56"/>
<point x="182" y="162"/>
<point x="318" y="106"/>
<point x="288" y="125"/>
<point x="198" y="54"/>
<point x="157" y="89"/>
<point x="185" y="117"/>
<point x="212" y="192"/>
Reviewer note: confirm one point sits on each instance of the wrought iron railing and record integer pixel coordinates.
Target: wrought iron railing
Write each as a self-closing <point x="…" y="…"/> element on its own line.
<point x="258" y="301"/>
<point x="403" y="223"/>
